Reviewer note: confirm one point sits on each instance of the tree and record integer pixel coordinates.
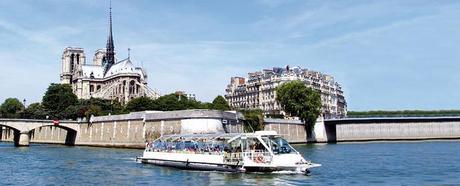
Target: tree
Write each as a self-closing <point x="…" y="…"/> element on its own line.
<point x="296" y="99"/>
<point x="219" y="103"/>
<point x="57" y="98"/>
<point x="100" y="106"/>
<point x="177" y="102"/>
<point x="35" y="111"/>
<point x="253" y="120"/>
<point x="11" y="108"/>
<point x="140" y="104"/>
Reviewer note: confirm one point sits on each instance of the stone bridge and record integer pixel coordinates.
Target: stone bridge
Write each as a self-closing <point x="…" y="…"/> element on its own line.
<point x="23" y="127"/>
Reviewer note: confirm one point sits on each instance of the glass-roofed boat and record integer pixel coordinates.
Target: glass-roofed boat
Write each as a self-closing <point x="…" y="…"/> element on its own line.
<point x="262" y="151"/>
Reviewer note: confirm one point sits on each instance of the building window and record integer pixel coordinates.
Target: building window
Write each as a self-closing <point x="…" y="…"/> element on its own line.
<point x="132" y="87"/>
<point x="72" y="56"/>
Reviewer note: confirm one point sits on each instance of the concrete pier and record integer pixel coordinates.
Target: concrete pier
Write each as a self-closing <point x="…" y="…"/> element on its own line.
<point x="24" y="139"/>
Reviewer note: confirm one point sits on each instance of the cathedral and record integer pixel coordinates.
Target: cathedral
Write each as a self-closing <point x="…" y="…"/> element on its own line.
<point x="105" y="77"/>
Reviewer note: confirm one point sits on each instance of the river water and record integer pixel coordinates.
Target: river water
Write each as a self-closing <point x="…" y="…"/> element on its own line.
<point x="376" y="163"/>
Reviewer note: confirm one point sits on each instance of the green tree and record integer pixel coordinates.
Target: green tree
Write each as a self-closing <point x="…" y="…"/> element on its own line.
<point x="219" y="103"/>
<point x="11" y="108"/>
<point x="177" y="102"/>
<point x="171" y="102"/>
<point x="72" y="112"/>
<point x="101" y="107"/>
<point x="296" y="99"/>
<point x="35" y="111"/>
<point x="205" y="105"/>
<point x="253" y="120"/>
<point x="57" y="98"/>
<point x="140" y="104"/>
<point x="93" y="110"/>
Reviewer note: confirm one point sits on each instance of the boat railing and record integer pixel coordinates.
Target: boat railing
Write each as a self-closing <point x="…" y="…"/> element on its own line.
<point x="185" y="151"/>
<point x="258" y="156"/>
<point x="233" y="157"/>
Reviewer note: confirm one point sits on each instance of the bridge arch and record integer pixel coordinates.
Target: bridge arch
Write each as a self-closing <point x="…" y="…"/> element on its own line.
<point x="9" y="126"/>
<point x="69" y="138"/>
<point x="16" y="132"/>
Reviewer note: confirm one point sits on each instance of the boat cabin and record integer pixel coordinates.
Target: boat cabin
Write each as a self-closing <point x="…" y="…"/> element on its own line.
<point x="259" y="147"/>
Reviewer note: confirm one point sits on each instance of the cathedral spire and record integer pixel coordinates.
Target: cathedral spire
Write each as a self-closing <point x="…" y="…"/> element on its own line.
<point x="110" y="49"/>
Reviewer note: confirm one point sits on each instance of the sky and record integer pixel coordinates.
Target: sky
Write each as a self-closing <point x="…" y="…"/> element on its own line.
<point x="387" y="55"/>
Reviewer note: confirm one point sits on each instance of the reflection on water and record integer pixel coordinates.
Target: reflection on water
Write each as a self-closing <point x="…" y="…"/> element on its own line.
<point x="428" y="163"/>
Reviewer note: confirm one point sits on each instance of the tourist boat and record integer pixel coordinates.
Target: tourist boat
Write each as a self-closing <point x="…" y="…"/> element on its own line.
<point x="261" y="151"/>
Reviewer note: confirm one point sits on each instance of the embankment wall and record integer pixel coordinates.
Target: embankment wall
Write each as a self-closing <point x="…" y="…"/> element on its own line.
<point x="291" y="130"/>
<point x="132" y="130"/>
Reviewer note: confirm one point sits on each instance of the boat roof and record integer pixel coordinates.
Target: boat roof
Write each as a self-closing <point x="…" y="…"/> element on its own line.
<point x="215" y="136"/>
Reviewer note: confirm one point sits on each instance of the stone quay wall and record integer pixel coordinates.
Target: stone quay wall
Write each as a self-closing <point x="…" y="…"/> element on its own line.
<point x="409" y="128"/>
<point x="291" y="130"/>
<point x="132" y="130"/>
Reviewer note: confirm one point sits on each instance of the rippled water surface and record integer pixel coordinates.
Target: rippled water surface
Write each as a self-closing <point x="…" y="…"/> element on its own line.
<point x="383" y="163"/>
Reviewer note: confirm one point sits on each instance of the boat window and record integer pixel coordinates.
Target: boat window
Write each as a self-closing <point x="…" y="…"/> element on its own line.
<point x="235" y="146"/>
<point x="255" y="145"/>
<point x="281" y="146"/>
<point x="189" y="146"/>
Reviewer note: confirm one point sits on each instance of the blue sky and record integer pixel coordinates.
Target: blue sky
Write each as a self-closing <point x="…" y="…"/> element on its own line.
<point x="388" y="55"/>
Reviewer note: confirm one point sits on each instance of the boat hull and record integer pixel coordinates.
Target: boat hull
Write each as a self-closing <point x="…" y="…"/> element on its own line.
<point x="238" y="167"/>
<point x="188" y="165"/>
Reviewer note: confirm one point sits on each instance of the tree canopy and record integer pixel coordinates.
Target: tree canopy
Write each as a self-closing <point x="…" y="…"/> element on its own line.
<point x="140" y="104"/>
<point x="11" y="108"/>
<point x="174" y="101"/>
<point x="253" y="120"/>
<point x="57" y="98"/>
<point x="35" y="111"/>
<point x="301" y="101"/>
<point x="219" y="103"/>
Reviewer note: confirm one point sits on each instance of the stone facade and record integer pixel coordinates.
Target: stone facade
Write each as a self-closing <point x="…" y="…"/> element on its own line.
<point x="258" y="90"/>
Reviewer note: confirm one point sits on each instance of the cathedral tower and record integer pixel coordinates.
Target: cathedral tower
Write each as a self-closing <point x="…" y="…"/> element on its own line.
<point x="72" y="60"/>
<point x="99" y="57"/>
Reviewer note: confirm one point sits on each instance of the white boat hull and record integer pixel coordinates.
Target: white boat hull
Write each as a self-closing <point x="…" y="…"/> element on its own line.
<point x="209" y="162"/>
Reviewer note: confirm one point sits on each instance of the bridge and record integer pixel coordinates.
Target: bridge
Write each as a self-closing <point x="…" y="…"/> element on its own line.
<point x="23" y="127"/>
<point x="392" y="128"/>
